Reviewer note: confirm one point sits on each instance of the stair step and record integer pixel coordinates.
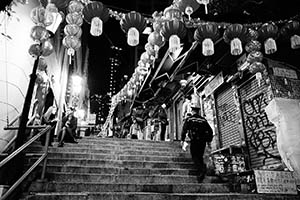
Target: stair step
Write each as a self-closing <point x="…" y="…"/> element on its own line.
<point x="113" y="187"/>
<point x="119" y="170"/>
<point x="157" y="196"/>
<point x="103" y="150"/>
<point x="118" y="163"/>
<point x="127" y="178"/>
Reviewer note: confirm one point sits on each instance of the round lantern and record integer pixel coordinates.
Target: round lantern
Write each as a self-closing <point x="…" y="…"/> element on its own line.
<point x="73" y="30"/>
<point x="173" y="31"/>
<point x="156" y="40"/>
<point x="150" y="50"/>
<point x="172" y="12"/>
<point x="60" y="4"/>
<point x="96" y="13"/>
<point x="75" y="6"/>
<point x="72" y="43"/>
<point x="133" y="23"/>
<point x="254" y="56"/>
<point x="141" y="70"/>
<point x="207" y="34"/>
<point x="291" y="30"/>
<point x="74" y="18"/>
<point x="39" y="33"/>
<point x="51" y="9"/>
<point x="268" y="33"/>
<point x="236" y="35"/>
<point x="35" y="50"/>
<point x="47" y="48"/>
<point x="253" y="45"/>
<point x="190" y="4"/>
<point x="37" y="15"/>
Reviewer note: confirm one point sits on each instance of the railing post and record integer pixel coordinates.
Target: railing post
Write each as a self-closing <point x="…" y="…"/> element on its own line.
<point x="46" y="153"/>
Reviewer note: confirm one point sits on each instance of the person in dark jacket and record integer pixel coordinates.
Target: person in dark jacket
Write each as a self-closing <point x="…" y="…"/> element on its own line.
<point x="68" y="132"/>
<point x="200" y="133"/>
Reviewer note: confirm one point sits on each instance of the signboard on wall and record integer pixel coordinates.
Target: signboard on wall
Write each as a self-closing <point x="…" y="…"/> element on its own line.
<point x="217" y="81"/>
<point x="276" y="182"/>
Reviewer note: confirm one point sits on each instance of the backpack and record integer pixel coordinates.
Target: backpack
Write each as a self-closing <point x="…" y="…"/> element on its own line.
<point x="199" y="129"/>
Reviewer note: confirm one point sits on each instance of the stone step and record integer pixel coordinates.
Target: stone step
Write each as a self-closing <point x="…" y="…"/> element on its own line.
<point x="128" y="141"/>
<point x="157" y="196"/>
<point x="127" y="178"/>
<point x="117" y="163"/>
<point x="131" y="187"/>
<point x="103" y="150"/>
<point x="119" y="170"/>
<point x="96" y="156"/>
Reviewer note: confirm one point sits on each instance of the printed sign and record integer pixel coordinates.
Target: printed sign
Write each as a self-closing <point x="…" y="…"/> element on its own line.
<point x="277" y="182"/>
<point x="214" y="84"/>
<point x="287" y="73"/>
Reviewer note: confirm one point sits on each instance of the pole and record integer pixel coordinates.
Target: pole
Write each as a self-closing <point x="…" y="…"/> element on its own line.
<point x="26" y="107"/>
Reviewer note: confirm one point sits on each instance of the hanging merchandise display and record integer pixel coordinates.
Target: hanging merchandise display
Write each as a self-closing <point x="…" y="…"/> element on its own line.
<point x="207" y="34"/>
<point x="95" y="13"/>
<point x="133" y="23"/>
<point x="268" y="32"/>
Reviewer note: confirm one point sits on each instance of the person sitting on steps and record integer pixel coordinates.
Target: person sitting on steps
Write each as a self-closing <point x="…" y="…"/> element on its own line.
<point x="67" y="134"/>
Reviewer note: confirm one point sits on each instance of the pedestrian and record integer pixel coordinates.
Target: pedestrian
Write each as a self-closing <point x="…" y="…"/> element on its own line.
<point x="135" y="130"/>
<point x="200" y="133"/>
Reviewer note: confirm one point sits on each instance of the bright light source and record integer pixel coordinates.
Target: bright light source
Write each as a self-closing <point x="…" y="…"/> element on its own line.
<point x="76" y="83"/>
<point x="147" y="30"/>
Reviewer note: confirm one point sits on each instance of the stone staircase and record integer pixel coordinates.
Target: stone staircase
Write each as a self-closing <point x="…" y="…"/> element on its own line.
<point x="121" y="169"/>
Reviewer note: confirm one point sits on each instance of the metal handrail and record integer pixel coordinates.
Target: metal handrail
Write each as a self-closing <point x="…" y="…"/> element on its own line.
<point x="19" y="150"/>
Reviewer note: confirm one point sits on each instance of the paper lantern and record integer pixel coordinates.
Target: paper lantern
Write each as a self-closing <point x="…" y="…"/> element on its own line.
<point x="253" y="45"/>
<point x="57" y="19"/>
<point x="74" y="18"/>
<point x="207" y="34"/>
<point x="172" y="12"/>
<point x="254" y="56"/>
<point x="37" y="15"/>
<point x="133" y="37"/>
<point x="96" y="26"/>
<point x="268" y="33"/>
<point x="73" y="30"/>
<point x="47" y="48"/>
<point x="75" y="6"/>
<point x="49" y="14"/>
<point x="291" y="30"/>
<point x="183" y="4"/>
<point x="156" y="40"/>
<point x="133" y="23"/>
<point x="35" y="50"/>
<point x="39" y="33"/>
<point x="96" y="13"/>
<point x="236" y="35"/>
<point x="60" y="4"/>
<point x="174" y="43"/>
<point x="150" y="50"/>
<point x="72" y="43"/>
<point x="177" y="30"/>
<point x="141" y="70"/>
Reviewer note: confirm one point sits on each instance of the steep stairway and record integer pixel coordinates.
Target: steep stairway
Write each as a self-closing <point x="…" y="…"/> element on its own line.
<point x="121" y="169"/>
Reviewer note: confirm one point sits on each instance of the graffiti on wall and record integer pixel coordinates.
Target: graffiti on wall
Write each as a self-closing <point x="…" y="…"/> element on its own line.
<point x="226" y="114"/>
<point x="262" y="135"/>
